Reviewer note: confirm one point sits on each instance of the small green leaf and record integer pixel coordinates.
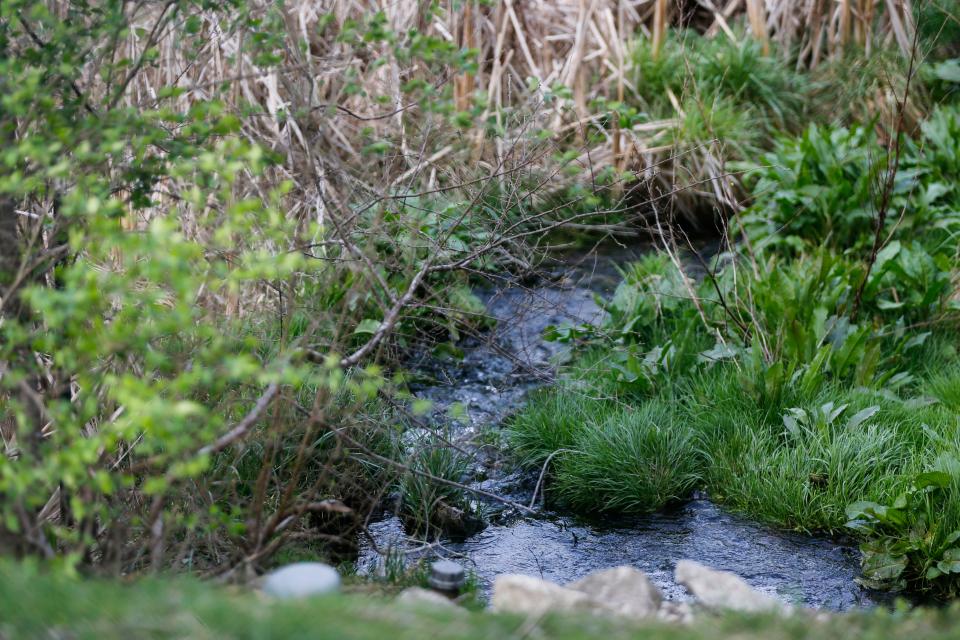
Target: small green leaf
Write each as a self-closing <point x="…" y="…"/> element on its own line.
<point x="368" y="326"/>
<point x="862" y="416"/>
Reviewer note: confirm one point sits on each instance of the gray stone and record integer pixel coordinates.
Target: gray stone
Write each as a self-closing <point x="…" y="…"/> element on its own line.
<point x="624" y="590"/>
<point x="301" y="580"/>
<point x="723" y="590"/>
<point x="416" y="596"/>
<point x="446" y="575"/>
<point x="528" y="595"/>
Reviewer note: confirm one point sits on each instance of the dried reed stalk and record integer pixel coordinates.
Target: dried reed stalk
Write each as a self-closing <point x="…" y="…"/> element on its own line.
<point x="580" y="44"/>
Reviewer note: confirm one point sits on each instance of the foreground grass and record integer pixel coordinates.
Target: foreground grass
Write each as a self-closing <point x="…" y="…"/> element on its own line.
<point x="35" y="605"/>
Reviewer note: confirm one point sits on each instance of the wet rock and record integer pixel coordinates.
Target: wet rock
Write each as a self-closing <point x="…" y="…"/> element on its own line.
<point x="528" y="595"/>
<point x="416" y="596"/>
<point x="301" y="580"/>
<point x="722" y="589"/>
<point x="623" y="590"/>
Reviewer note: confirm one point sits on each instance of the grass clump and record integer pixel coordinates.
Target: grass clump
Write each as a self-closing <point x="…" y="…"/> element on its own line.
<point x="635" y="459"/>
<point x="429" y="505"/>
<point x="802" y="468"/>
<point x="551" y="422"/>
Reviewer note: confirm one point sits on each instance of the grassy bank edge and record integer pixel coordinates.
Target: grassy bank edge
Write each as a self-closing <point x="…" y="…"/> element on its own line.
<point x="33" y="604"/>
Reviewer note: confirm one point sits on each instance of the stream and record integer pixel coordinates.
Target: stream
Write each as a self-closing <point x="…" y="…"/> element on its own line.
<point x="492" y="379"/>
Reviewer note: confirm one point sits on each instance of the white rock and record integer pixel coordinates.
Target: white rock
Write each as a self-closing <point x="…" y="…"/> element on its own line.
<point x="416" y="596"/>
<point x="528" y="595"/>
<point x="675" y="612"/>
<point x="722" y="589"/>
<point x="301" y="580"/>
<point x="624" y="590"/>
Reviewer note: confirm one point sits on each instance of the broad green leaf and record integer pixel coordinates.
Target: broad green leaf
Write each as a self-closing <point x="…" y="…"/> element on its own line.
<point x="937" y="479"/>
<point x="862" y="416"/>
<point x="883" y="566"/>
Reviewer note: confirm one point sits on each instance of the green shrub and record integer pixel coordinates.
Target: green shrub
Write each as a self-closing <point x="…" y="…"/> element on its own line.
<point x="173" y="320"/>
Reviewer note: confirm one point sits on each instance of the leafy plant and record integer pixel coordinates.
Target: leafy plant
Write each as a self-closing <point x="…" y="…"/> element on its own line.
<point x="818" y="188"/>
<point x="909" y="540"/>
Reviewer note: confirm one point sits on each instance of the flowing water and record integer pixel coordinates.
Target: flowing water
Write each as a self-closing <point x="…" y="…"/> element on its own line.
<point x="491" y="380"/>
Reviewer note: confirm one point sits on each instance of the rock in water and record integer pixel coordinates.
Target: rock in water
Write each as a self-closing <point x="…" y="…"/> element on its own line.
<point x="623" y="590"/>
<point x="447" y="576"/>
<point x="526" y="594"/>
<point x="722" y="589"/>
<point x="301" y="580"/>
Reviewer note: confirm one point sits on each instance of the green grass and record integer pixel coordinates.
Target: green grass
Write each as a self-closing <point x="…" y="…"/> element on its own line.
<point x="636" y="454"/>
<point x="35" y="605"/>
<point x="803" y="476"/>
<point x="945" y="387"/>
<point x="635" y="459"/>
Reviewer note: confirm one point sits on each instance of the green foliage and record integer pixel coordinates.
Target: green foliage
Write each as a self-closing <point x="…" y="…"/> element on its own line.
<point x="706" y="72"/>
<point x="133" y="363"/>
<point x="171" y="335"/>
<point x="651" y="303"/>
<point x="429" y="506"/>
<point x="912" y="538"/>
<point x="818" y="188"/>
<point x="939" y="26"/>
<point x="823" y="188"/>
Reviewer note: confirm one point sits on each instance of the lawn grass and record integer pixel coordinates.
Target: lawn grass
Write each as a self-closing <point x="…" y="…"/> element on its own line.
<point x="38" y="605"/>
